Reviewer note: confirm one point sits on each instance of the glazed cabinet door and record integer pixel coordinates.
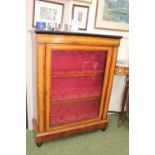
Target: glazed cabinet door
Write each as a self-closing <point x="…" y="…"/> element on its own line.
<point x="76" y="83"/>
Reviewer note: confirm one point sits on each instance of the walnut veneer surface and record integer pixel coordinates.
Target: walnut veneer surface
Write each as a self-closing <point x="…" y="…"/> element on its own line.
<point x="74" y="80"/>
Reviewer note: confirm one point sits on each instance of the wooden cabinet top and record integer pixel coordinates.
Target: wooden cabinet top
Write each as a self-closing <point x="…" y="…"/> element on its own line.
<point x="78" y="34"/>
<point x="76" y="38"/>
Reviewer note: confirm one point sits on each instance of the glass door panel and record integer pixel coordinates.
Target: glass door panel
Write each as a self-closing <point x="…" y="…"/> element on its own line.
<point x="76" y="85"/>
<point x="77" y="61"/>
<point x="63" y="88"/>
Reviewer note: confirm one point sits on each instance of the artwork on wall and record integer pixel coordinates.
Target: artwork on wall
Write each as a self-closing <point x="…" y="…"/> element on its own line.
<point x="85" y="1"/>
<point x="80" y="13"/>
<point x="47" y="11"/>
<point x="112" y="14"/>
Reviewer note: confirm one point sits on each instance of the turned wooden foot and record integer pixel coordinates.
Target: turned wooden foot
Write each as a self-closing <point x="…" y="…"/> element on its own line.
<point x="38" y="144"/>
<point x="103" y="129"/>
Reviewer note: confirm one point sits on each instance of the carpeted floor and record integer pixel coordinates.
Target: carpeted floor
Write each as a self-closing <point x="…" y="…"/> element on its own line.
<point x="114" y="141"/>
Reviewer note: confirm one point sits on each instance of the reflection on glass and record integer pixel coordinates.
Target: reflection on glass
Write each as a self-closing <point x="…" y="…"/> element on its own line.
<point x="76" y="85"/>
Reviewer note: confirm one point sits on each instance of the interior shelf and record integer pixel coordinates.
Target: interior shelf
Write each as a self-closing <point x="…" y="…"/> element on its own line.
<point x="76" y="74"/>
<point x="75" y="100"/>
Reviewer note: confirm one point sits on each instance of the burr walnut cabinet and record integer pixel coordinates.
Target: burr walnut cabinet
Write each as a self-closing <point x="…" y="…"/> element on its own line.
<point x="74" y="80"/>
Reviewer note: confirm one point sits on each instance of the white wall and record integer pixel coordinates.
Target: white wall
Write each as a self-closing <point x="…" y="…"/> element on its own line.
<point x="118" y="84"/>
<point x="29" y="77"/>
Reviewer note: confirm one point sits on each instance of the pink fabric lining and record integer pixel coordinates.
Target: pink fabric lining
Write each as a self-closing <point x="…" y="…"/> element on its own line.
<point x="63" y="88"/>
<point x="78" y="61"/>
<point x="72" y="112"/>
<point x="69" y="88"/>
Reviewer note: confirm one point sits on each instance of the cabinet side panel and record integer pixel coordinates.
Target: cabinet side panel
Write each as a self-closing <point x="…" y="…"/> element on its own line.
<point x="34" y="77"/>
<point x="40" y="85"/>
<point x="111" y="76"/>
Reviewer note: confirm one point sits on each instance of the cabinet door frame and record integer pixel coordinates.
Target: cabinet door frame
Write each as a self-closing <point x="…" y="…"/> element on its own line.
<point x="106" y="89"/>
<point x="41" y="87"/>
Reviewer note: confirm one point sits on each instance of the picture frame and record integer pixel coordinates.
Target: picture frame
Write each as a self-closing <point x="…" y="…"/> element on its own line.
<point x="85" y="1"/>
<point x="47" y="11"/>
<point x="112" y="15"/>
<point x="80" y="13"/>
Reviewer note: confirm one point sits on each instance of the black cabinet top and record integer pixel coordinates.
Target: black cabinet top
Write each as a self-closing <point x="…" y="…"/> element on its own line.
<point x="78" y="34"/>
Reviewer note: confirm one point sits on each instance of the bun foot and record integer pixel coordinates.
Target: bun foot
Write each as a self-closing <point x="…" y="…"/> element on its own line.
<point x="38" y="144"/>
<point x="103" y="129"/>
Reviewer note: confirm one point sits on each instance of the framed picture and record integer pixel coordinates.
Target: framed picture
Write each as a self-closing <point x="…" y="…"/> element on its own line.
<point x="112" y="14"/>
<point x="47" y="11"/>
<point x="80" y="13"/>
<point x="85" y="1"/>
